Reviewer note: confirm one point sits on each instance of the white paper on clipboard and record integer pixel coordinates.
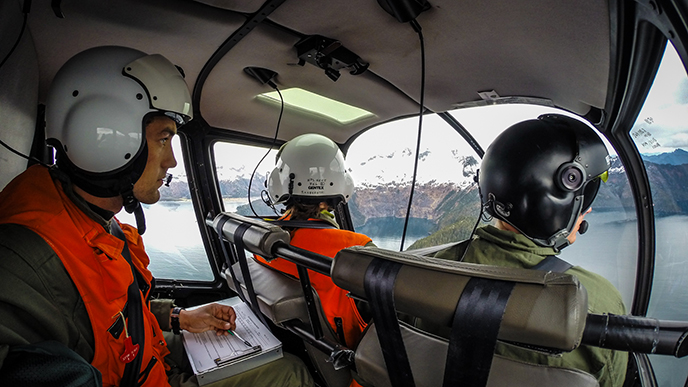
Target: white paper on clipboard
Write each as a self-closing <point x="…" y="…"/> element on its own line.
<point x="204" y="348"/>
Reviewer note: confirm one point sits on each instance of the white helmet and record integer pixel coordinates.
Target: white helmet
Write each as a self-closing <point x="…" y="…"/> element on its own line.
<point x="95" y="113"/>
<point x="310" y="166"/>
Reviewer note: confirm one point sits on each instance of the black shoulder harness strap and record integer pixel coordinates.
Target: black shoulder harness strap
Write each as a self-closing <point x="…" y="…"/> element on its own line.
<point x="473" y="336"/>
<point x="477" y="318"/>
<point x="228" y="259"/>
<point x="475" y="327"/>
<point x="238" y="251"/>
<point x="135" y="314"/>
<point x="379" y="282"/>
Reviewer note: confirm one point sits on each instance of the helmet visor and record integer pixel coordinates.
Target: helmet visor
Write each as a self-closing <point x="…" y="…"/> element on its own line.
<point x="178" y="118"/>
<point x="591" y="189"/>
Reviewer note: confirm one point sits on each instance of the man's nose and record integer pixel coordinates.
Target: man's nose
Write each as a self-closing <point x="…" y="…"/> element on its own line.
<point x="170" y="161"/>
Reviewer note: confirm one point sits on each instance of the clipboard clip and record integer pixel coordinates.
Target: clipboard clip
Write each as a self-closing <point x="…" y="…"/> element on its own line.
<point x="220" y="361"/>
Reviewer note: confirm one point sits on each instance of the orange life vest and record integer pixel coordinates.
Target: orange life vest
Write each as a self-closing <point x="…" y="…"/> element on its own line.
<point x="337" y="306"/>
<point x="94" y="261"/>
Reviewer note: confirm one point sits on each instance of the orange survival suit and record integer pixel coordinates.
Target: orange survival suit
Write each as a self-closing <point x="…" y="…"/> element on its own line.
<point x="340" y="310"/>
<point x="95" y="264"/>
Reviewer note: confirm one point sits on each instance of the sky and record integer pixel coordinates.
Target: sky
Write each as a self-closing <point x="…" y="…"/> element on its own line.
<point x="665" y="113"/>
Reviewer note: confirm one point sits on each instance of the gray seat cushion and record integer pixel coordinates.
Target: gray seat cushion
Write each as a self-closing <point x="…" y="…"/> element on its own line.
<point x="427" y="355"/>
<point x="279" y="296"/>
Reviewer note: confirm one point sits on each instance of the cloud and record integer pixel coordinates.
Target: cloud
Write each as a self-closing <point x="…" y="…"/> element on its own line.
<point x="678" y="140"/>
<point x="681" y="93"/>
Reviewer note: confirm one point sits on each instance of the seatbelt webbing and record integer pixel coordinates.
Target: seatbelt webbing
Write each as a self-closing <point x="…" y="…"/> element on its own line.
<point x="228" y="259"/>
<point x="379" y="288"/>
<point x="473" y="337"/>
<point x="241" y="253"/>
<point x="135" y="315"/>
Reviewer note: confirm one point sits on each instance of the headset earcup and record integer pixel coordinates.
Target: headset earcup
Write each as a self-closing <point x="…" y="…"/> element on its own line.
<point x="570" y="176"/>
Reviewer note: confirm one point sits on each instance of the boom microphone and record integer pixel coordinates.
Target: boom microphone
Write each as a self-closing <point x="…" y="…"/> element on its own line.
<point x="168" y="179"/>
<point x="583" y="228"/>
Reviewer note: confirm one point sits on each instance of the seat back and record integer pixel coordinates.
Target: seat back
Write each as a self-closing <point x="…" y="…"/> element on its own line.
<point x="545" y="309"/>
<point x="280" y="296"/>
<point x="427" y="352"/>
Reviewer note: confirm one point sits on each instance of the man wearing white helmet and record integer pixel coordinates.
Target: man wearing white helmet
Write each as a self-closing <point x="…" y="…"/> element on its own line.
<point x="310" y="178"/>
<point x="78" y="278"/>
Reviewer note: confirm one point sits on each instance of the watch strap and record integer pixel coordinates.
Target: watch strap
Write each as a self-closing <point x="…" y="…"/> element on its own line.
<point x="174" y="321"/>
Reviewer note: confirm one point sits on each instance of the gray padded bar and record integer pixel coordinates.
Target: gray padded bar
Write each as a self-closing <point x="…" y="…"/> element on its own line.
<point x="545" y="309"/>
<point x="261" y="238"/>
<point x="269" y="241"/>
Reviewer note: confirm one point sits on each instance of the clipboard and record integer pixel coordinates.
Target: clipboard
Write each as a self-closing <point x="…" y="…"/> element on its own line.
<point x="215" y="357"/>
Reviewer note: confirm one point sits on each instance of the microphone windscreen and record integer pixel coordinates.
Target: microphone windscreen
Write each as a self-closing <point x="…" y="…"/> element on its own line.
<point x="583" y="227"/>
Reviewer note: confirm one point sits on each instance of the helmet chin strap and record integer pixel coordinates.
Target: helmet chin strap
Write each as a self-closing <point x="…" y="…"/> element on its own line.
<point x="132" y="204"/>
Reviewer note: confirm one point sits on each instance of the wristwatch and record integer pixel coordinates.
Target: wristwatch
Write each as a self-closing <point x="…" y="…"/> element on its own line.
<point x="175" y="320"/>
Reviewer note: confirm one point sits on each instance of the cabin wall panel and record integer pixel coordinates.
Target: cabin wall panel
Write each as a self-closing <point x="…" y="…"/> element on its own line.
<point x="18" y="91"/>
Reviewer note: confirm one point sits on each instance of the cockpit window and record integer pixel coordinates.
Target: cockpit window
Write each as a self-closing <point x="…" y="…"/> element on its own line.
<point x="661" y="136"/>
<point x="173" y="238"/>
<point x="446" y="201"/>
<point x="234" y="165"/>
<point x="381" y="163"/>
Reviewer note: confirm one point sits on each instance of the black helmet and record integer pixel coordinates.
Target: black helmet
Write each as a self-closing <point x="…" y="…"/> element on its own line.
<point x="539" y="175"/>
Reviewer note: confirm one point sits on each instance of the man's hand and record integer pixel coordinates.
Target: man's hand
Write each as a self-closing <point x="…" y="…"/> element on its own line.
<point x="213" y="316"/>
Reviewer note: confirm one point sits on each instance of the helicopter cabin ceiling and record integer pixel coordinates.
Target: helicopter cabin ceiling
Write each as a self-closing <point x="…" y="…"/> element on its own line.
<point x="558" y="51"/>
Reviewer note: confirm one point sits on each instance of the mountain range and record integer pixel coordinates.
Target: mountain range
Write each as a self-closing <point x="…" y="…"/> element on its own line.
<point x="446" y="201"/>
<point x="677" y="157"/>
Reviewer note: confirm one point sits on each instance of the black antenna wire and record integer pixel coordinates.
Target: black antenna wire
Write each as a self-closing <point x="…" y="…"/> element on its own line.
<point x="274" y="140"/>
<point x="417" y="28"/>
<point x="9" y="148"/>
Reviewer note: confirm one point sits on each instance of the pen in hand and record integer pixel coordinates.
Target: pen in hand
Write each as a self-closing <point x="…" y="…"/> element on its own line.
<point x="231" y="332"/>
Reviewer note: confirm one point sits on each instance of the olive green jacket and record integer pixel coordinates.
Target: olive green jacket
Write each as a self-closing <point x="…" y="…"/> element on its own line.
<point x="492" y="246"/>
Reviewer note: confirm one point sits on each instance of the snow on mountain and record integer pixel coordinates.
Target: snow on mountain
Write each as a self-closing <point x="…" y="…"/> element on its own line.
<point x="616" y="166"/>
<point x="236" y="172"/>
<point x="397" y="168"/>
<point x="225" y="173"/>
